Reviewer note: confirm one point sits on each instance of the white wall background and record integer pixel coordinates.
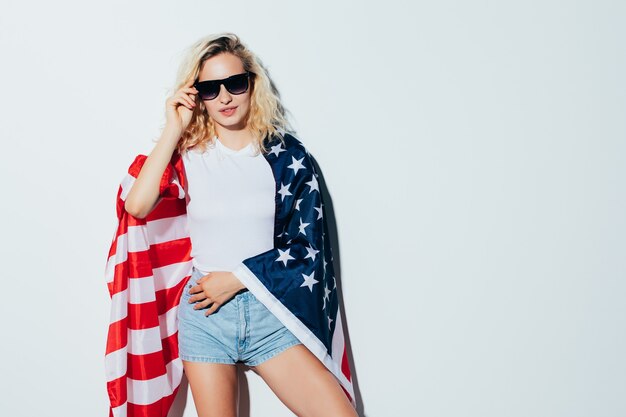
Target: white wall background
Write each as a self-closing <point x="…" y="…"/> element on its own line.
<point x="475" y="155"/>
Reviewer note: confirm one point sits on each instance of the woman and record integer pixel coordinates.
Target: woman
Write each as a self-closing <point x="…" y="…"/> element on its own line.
<point x="221" y="121"/>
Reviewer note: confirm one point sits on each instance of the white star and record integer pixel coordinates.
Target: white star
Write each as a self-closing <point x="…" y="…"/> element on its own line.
<point x="324" y="300"/>
<point x="302" y="226"/>
<point x="326" y="292"/>
<point x="296" y="165"/>
<point x="329" y="320"/>
<point x="298" y="204"/>
<point x="284" y="256"/>
<point x="276" y="149"/>
<point x="319" y="211"/>
<point x="313" y="184"/>
<point x="284" y="191"/>
<point x="335" y="282"/>
<point x="309" y="281"/>
<point x="311" y="253"/>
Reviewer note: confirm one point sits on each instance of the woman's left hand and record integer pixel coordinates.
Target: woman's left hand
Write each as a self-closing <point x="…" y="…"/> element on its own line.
<point x="215" y="288"/>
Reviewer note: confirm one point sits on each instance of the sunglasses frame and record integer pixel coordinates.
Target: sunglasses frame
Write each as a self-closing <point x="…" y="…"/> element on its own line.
<point x="223" y="81"/>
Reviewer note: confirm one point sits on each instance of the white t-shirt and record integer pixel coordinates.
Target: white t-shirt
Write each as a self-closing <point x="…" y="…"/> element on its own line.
<point x="230" y="205"/>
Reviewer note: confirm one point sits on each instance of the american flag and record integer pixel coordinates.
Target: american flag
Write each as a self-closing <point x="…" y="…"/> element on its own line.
<point x="149" y="264"/>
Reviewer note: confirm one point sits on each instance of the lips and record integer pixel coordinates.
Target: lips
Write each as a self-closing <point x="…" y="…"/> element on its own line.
<point x="228" y="110"/>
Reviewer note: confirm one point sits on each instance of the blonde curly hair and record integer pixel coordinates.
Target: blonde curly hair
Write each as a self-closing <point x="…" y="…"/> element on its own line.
<point x="267" y="117"/>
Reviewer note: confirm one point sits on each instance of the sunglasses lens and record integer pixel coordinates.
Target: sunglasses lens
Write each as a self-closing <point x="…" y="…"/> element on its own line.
<point x="208" y="90"/>
<point x="237" y="84"/>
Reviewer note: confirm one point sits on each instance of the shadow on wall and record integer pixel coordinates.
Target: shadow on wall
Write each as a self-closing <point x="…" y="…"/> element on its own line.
<point x="334" y="242"/>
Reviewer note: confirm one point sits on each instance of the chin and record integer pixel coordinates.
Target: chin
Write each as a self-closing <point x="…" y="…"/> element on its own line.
<point x="230" y="123"/>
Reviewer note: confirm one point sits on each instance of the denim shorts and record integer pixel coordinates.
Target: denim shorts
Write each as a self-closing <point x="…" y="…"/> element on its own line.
<point x="241" y="330"/>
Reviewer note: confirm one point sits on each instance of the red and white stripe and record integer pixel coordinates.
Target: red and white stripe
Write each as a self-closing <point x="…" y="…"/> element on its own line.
<point x="148" y="265"/>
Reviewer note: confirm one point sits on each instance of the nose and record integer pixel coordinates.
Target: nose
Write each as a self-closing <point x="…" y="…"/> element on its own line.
<point x="224" y="96"/>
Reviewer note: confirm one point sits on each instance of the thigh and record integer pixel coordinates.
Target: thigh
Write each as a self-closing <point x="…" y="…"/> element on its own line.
<point x="304" y="384"/>
<point x="214" y="387"/>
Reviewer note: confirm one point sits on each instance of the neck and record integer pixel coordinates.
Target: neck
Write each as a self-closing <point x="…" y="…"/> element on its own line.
<point x="235" y="139"/>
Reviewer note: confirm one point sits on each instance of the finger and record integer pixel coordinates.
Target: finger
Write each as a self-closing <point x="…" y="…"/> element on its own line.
<point x="198" y="297"/>
<point x="186" y="99"/>
<point x="199" y="291"/>
<point x="181" y="101"/>
<point x="202" y="278"/>
<point x="211" y="310"/>
<point x="202" y="304"/>
<point x="197" y="294"/>
<point x="192" y="97"/>
<point x="201" y="297"/>
<point x="189" y="99"/>
<point x="176" y="101"/>
<point x="190" y="103"/>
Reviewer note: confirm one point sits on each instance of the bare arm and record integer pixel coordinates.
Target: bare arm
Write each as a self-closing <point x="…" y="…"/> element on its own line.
<point x="144" y="194"/>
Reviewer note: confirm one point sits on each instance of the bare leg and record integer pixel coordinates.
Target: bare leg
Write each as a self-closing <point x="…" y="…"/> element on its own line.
<point x="304" y="384"/>
<point x="214" y="387"/>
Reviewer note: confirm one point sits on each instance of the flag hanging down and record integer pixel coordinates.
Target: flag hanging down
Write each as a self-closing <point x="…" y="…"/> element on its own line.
<point x="149" y="264"/>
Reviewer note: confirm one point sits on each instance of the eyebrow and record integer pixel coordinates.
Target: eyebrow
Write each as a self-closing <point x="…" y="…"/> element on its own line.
<point x="223" y="79"/>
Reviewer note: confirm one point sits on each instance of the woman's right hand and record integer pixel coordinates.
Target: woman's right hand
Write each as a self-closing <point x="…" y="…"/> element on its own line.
<point x="180" y="107"/>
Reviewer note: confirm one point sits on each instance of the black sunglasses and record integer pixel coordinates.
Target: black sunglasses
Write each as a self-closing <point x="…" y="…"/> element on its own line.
<point x="235" y="84"/>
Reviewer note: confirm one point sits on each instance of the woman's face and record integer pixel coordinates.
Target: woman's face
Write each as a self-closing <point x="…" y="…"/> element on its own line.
<point x="219" y="67"/>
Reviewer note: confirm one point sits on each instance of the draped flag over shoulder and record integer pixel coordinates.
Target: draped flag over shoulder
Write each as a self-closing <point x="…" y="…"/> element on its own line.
<point x="149" y="264"/>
